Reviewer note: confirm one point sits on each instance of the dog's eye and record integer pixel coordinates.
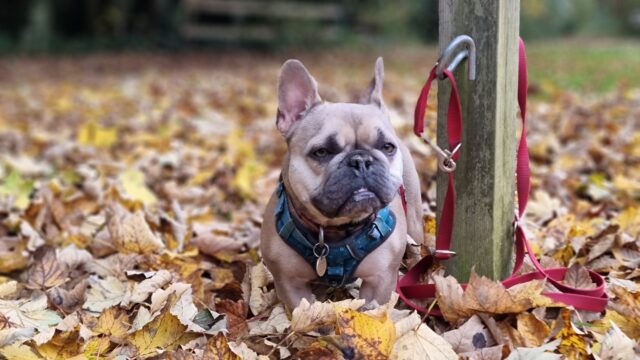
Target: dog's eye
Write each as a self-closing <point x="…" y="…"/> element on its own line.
<point x="389" y="148"/>
<point x="320" y="153"/>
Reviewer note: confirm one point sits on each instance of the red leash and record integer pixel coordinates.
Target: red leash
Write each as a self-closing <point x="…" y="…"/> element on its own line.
<point x="409" y="285"/>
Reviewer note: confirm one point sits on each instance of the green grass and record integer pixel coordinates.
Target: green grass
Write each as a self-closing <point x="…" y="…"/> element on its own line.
<point x="584" y="65"/>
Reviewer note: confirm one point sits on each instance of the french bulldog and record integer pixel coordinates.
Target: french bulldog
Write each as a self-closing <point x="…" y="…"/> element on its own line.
<point x="344" y="167"/>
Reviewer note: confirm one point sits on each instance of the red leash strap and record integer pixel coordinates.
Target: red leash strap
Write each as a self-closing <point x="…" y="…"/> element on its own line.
<point x="409" y="285"/>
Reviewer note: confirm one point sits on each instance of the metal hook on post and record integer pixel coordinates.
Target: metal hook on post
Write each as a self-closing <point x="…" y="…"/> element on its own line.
<point x="469" y="52"/>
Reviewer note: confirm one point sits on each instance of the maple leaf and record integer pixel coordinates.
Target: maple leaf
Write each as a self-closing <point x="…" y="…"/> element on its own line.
<point x="29" y="313"/>
<point x="577" y="276"/>
<point x="114" y="323"/>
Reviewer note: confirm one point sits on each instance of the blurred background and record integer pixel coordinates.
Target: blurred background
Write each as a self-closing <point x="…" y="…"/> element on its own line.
<point x="84" y="25"/>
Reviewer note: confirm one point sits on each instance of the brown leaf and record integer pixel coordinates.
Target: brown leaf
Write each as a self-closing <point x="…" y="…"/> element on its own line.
<point x="469" y="337"/>
<point x="485" y="295"/>
<point x="131" y="233"/>
<point x="218" y="349"/>
<point x="533" y="331"/>
<point x="578" y="277"/>
<point x="46" y="272"/>
<point x="68" y="299"/>
<point x="236" y="313"/>
<point x="450" y="299"/>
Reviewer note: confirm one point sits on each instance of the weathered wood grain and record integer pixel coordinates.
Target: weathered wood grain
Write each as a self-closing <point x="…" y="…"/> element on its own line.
<point x="485" y="180"/>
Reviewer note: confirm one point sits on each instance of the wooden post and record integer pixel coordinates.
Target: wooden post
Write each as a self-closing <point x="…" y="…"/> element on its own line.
<point x="485" y="174"/>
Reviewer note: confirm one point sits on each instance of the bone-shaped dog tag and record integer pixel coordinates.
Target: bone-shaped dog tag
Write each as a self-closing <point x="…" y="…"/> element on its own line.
<point x="321" y="265"/>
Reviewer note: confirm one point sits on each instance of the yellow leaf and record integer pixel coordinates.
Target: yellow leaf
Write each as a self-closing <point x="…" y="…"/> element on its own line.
<point x="370" y="337"/>
<point x="133" y="184"/>
<point x="62" y="346"/>
<point x="95" y="348"/>
<point x="629" y="221"/>
<point x="15" y="186"/>
<point x="91" y="133"/>
<point x="113" y="322"/>
<point x="164" y="332"/>
<point x="19" y="352"/>
<point x="572" y="342"/>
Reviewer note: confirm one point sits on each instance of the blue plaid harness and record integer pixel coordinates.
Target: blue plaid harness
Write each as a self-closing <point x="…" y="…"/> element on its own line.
<point x="344" y="256"/>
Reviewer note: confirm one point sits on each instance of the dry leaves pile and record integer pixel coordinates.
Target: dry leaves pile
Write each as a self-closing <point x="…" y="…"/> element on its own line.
<point x="131" y="197"/>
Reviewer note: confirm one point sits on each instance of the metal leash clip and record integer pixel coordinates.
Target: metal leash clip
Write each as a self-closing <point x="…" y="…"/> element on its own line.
<point x="445" y="157"/>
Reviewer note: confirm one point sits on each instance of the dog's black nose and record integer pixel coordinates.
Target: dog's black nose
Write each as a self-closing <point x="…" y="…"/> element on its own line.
<point x="360" y="160"/>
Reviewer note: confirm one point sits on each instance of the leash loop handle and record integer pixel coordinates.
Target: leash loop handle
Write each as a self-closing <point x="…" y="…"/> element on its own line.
<point x="410" y="286"/>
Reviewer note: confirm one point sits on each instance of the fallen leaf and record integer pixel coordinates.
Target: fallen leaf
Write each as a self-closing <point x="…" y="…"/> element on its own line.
<point x="29" y="313"/>
<point x="236" y="314"/>
<point x="423" y="343"/>
<point x="104" y="293"/>
<point x="497" y="352"/>
<point x="134" y="186"/>
<point x="276" y="323"/>
<point x="616" y="345"/>
<point x="92" y="133"/>
<point x="540" y="353"/>
<point x="451" y="299"/>
<point x="307" y="317"/>
<point x="15" y="186"/>
<point x="371" y="338"/>
<point x="534" y="331"/>
<point x="63" y="345"/>
<point x="145" y="288"/>
<point x="485" y="295"/>
<point x="577" y="276"/>
<point x="19" y="351"/>
<point x="131" y="233"/>
<point x="261" y="298"/>
<point x="8" y="289"/>
<point x="471" y="336"/>
<point x="164" y="333"/>
<point x="15" y="335"/>
<point x="572" y="344"/>
<point x="66" y="299"/>
<point x="218" y="349"/>
<point x="113" y="323"/>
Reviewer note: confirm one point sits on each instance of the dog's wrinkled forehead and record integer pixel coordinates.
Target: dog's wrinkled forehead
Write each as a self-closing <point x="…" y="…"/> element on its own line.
<point x="346" y="121"/>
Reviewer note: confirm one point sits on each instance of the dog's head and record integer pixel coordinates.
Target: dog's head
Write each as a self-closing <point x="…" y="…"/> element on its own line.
<point x="343" y="161"/>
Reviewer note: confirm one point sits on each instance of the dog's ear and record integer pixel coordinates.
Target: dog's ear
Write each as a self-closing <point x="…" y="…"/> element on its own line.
<point x="373" y="93"/>
<point x="297" y="93"/>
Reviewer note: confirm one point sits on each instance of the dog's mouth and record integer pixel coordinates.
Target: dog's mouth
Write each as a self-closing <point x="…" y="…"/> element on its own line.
<point x="361" y="201"/>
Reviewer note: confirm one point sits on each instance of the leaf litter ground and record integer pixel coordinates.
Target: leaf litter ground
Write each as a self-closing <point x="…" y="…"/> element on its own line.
<point x="132" y="193"/>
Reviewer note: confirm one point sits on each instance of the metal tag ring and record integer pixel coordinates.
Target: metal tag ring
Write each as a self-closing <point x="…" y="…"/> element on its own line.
<point x="324" y="250"/>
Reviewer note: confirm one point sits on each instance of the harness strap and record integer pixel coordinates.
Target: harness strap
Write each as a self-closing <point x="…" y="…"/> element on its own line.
<point x="343" y="257"/>
<point x="409" y="285"/>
